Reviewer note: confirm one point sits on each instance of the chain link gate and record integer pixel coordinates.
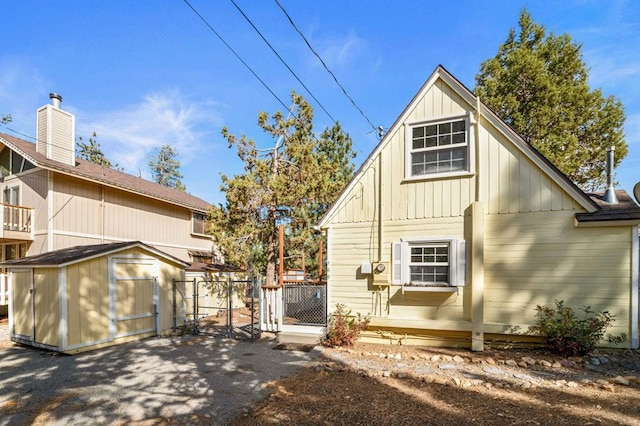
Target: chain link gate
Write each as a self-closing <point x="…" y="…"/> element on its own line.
<point x="217" y="307"/>
<point x="305" y="304"/>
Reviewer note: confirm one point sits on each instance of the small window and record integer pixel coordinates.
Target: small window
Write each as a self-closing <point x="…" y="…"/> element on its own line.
<point x="199" y="222"/>
<point x="429" y="264"/>
<point x="440" y="147"/>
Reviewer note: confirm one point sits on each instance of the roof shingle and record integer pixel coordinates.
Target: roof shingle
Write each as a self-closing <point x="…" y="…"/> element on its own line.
<point x="90" y="171"/>
<point x="625" y="210"/>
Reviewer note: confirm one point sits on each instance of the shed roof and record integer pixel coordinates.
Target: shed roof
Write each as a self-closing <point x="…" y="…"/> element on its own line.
<point x="77" y="254"/>
<point x="213" y="267"/>
<point x="87" y="170"/>
<point x="625" y="210"/>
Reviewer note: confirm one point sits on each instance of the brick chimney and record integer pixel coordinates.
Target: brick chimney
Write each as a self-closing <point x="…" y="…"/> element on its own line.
<point x="55" y="130"/>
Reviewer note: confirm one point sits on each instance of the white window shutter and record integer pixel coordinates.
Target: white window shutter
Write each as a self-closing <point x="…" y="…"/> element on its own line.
<point x="396" y="263"/>
<point x="462" y="262"/>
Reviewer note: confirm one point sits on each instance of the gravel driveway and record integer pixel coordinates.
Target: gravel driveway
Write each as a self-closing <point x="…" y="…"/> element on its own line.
<point x="179" y="380"/>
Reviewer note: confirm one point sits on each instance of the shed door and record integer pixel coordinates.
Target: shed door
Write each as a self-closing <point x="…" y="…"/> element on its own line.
<point x="22" y="299"/>
<point x="134" y="296"/>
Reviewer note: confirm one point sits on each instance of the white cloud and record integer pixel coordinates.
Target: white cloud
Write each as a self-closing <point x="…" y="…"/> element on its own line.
<point x="339" y="51"/>
<point x="129" y="135"/>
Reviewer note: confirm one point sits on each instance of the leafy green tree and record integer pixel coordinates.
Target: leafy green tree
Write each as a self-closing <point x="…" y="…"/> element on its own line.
<point x="538" y="84"/>
<point x="165" y="168"/>
<point x="292" y="183"/>
<point x="92" y="152"/>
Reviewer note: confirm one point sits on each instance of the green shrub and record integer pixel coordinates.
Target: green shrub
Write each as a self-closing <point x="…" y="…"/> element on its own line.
<point x="344" y="328"/>
<point x="569" y="335"/>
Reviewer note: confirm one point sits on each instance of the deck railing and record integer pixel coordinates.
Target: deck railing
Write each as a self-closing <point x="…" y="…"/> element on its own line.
<point x="4" y="289"/>
<point x="16" y="218"/>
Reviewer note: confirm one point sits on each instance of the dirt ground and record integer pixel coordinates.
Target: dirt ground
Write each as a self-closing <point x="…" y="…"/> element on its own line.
<point x="406" y="385"/>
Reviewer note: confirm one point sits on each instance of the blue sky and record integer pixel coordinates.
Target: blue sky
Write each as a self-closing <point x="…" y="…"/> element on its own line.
<point x="148" y="72"/>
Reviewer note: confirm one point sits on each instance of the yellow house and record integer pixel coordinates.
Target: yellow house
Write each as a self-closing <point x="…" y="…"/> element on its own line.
<point x="454" y="229"/>
<point x="85" y="297"/>
<point x="52" y="200"/>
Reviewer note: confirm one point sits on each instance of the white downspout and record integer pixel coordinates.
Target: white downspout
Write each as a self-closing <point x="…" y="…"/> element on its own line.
<point x="476" y="154"/>
<point x="635" y="272"/>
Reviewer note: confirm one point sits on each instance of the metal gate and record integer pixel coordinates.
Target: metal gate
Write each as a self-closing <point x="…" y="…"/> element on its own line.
<point x="216" y="307"/>
<point x="305" y="304"/>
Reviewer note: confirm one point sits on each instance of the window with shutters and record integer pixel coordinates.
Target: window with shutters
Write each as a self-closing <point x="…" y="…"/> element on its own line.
<point x="429" y="263"/>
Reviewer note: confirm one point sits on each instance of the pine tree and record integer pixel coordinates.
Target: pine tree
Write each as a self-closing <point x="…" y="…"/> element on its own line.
<point x="538" y="84"/>
<point x="92" y="152"/>
<point x="292" y="183"/>
<point x="165" y="168"/>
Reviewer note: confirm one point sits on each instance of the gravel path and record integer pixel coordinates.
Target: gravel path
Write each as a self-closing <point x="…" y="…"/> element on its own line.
<point x="181" y="380"/>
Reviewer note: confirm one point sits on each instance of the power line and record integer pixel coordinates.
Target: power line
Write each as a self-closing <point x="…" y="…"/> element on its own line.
<point x="252" y="71"/>
<point x="235" y="53"/>
<point x="325" y="66"/>
<point x="282" y="60"/>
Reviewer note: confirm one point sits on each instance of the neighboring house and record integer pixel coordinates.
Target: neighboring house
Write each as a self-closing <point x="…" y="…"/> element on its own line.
<point x="53" y="200"/>
<point x="454" y="229"/>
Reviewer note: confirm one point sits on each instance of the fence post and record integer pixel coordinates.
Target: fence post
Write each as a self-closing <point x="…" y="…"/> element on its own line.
<point x="229" y="308"/>
<point x="175" y="306"/>
<point x="253" y="312"/>
<point x="195" y="306"/>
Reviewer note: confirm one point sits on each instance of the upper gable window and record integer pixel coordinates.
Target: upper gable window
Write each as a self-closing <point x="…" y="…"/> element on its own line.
<point x="12" y="163"/>
<point x="438" y="147"/>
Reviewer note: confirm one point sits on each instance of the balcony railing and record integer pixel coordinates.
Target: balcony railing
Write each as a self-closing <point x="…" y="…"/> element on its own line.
<point x="4" y="290"/>
<point x="16" y="219"/>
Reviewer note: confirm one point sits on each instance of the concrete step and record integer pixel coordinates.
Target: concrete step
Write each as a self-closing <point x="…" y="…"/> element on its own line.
<point x="298" y="337"/>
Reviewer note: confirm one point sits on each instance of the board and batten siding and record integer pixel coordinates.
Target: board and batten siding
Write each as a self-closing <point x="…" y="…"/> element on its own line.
<point x="47" y="306"/>
<point x="81" y="218"/>
<point x="88" y="301"/>
<point x="534" y="254"/>
<point x="509" y="181"/>
<point x="166" y="272"/>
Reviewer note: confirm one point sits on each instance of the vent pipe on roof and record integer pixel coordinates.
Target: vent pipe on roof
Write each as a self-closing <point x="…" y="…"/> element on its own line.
<point x="55" y="99"/>
<point x="610" y="193"/>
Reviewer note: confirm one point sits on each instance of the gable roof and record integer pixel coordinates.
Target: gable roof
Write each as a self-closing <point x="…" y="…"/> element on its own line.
<point x="89" y="171"/>
<point x="71" y="255"/>
<point x="487" y="113"/>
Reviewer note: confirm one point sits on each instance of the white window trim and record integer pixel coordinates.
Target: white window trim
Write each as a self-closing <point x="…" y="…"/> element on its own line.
<point x="457" y="263"/>
<point x="11" y="187"/>
<point x="408" y="137"/>
<point x="193" y="222"/>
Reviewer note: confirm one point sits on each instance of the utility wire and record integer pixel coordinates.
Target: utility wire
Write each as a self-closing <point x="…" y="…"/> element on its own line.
<point x="235" y="53"/>
<point x="251" y="70"/>
<point x="376" y="129"/>
<point x="282" y="60"/>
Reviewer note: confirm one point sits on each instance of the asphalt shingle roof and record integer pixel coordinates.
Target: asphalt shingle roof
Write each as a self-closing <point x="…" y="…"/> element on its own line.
<point x="90" y="171"/>
<point x="626" y="209"/>
<point x="77" y="253"/>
